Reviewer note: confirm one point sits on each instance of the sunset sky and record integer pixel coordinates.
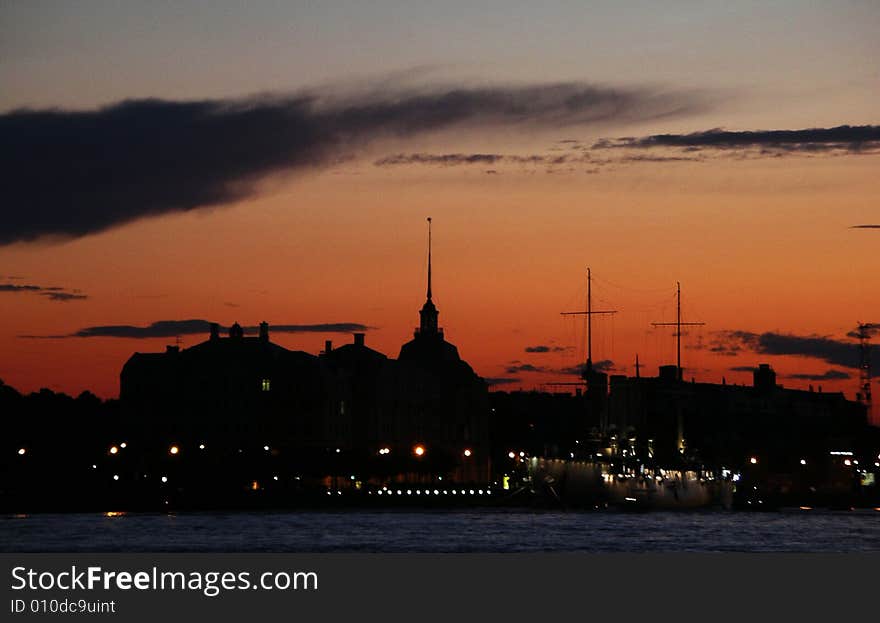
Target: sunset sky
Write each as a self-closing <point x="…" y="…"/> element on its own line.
<point x="173" y="161"/>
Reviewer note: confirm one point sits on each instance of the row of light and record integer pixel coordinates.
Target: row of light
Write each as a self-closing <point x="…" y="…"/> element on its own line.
<point x="435" y="491"/>
<point x="754" y="460"/>
<point x="116" y="477"/>
<point x="173" y="449"/>
<point x="419" y="450"/>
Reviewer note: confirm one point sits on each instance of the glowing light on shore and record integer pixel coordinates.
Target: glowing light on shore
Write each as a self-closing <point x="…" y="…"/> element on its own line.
<point x="113" y="449"/>
<point x="419" y="450"/>
<point x="173" y="450"/>
<point x="467" y="452"/>
<point x="22" y="451"/>
<point x="753" y="460"/>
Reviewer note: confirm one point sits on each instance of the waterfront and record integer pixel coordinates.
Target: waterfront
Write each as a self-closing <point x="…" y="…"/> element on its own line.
<point x="432" y="531"/>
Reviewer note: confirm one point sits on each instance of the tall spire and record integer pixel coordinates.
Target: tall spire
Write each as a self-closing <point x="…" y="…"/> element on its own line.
<point x="429" y="313"/>
<point x="429" y="258"/>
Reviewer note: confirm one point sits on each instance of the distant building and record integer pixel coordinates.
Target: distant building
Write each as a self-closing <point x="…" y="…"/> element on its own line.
<point x="667" y="417"/>
<point x="248" y="390"/>
<point x="228" y="387"/>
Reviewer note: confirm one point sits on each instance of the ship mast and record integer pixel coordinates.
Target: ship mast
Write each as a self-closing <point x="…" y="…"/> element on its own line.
<point x="678" y="324"/>
<point x="589" y="313"/>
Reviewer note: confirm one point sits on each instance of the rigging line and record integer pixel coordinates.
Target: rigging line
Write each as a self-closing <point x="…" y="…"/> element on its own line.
<point x="615" y="285"/>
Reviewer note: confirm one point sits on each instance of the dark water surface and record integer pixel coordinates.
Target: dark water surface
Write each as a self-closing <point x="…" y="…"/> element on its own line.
<point x="458" y="531"/>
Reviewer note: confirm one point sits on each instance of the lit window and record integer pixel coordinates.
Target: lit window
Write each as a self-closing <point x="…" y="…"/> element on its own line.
<point x="267" y="385"/>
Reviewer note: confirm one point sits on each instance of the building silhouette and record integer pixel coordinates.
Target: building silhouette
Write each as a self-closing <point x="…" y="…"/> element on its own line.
<point x="239" y="391"/>
<point x="665" y="417"/>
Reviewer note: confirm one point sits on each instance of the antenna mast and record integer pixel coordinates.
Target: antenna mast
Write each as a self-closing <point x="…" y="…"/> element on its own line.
<point x="678" y="324"/>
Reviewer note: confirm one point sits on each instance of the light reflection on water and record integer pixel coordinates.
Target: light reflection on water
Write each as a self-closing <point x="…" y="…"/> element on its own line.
<point x="432" y="531"/>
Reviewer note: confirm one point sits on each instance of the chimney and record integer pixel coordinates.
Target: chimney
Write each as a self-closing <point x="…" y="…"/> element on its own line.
<point x="358" y="339"/>
<point x="215" y="331"/>
<point x="264" y="331"/>
<point x="764" y="377"/>
<point x="328" y="346"/>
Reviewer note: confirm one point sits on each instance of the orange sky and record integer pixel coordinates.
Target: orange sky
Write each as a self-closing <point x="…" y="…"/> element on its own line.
<point x="759" y="243"/>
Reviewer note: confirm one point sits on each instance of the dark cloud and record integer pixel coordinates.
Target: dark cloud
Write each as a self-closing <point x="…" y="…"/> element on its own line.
<point x="742" y="369"/>
<point x="466" y="159"/>
<point x="538" y="349"/>
<point x="573" y="370"/>
<point x="844" y="137"/>
<point x="173" y="328"/>
<point x="53" y="293"/>
<point x="829" y="375"/>
<point x="64" y="296"/>
<point x="505" y="380"/>
<point x="865" y="227"/>
<point x="604" y="365"/>
<point x="525" y="367"/>
<point x="541" y="348"/>
<point x="11" y="287"/>
<point x="651" y="158"/>
<point x="830" y="350"/>
<point x="549" y="160"/>
<point x="73" y="173"/>
<point x="443" y="159"/>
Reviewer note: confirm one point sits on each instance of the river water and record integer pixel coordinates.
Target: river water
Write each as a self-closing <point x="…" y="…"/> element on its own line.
<point x="457" y="531"/>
